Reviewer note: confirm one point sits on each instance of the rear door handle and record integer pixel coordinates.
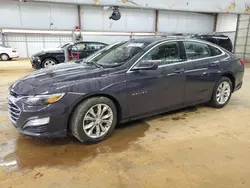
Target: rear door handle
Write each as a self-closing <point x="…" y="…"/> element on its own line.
<point x="216" y="63"/>
<point x="178" y="71"/>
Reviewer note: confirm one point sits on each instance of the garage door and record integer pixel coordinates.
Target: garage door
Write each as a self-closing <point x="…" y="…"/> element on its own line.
<point x="185" y="22"/>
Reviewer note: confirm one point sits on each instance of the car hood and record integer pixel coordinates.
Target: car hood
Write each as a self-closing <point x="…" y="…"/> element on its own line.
<point x="55" y="79"/>
<point x="51" y="51"/>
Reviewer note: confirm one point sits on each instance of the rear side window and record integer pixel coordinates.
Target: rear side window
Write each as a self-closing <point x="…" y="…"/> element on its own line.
<point x="196" y="50"/>
<point x="94" y="46"/>
<point x="215" y="51"/>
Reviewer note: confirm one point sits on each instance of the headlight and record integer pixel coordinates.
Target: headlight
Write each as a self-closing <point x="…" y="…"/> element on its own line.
<point x="42" y="99"/>
<point x="35" y="58"/>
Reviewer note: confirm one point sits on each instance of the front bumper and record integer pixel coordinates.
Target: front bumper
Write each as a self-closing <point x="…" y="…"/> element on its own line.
<point x="36" y="64"/>
<point x="58" y="113"/>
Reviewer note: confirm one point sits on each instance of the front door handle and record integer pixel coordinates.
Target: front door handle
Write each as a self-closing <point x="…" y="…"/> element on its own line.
<point x="213" y="64"/>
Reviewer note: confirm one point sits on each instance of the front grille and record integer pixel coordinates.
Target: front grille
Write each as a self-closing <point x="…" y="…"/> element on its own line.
<point x="14" y="111"/>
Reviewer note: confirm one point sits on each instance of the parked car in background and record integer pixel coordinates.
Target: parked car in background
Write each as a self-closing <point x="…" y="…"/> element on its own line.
<point x="7" y="53"/>
<point x="123" y="82"/>
<point x="78" y="50"/>
<point x="219" y="39"/>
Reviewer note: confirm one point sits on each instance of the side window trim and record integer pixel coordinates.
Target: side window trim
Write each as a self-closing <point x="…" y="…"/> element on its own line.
<point x="222" y="52"/>
<point x="185" y="61"/>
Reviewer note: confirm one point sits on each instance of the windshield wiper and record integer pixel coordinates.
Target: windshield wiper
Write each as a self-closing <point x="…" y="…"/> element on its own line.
<point x="93" y="63"/>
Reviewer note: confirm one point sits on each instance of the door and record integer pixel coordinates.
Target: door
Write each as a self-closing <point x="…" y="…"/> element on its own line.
<point x="153" y="90"/>
<point x="201" y="71"/>
<point x="79" y="50"/>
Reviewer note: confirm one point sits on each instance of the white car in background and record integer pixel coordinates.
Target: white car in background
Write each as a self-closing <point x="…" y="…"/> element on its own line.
<point x="7" y="53"/>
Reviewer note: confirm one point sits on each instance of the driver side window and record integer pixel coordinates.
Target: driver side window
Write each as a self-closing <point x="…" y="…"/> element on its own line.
<point x="163" y="54"/>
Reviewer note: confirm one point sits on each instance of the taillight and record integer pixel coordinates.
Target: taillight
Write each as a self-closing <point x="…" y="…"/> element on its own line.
<point x="242" y="62"/>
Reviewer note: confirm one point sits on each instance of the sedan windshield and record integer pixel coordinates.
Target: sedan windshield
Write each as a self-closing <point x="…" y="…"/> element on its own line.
<point x="117" y="54"/>
<point x="63" y="45"/>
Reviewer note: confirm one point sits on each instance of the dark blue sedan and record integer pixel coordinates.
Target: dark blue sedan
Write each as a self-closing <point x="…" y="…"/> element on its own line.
<point x="123" y="82"/>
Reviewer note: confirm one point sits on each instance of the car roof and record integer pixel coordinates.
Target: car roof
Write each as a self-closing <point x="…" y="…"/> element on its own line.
<point x="213" y="36"/>
<point x="158" y="39"/>
<point x="166" y="38"/>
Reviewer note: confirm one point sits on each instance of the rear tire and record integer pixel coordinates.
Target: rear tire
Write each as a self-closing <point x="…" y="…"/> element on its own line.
<point x="4" y="57"/>
<point x="93" y="120"/>
<point x="222" y="93"/>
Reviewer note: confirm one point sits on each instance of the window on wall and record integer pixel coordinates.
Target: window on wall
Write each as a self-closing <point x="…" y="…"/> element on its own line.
<point x="196" y="50"/>
<point x="164" y="54"/>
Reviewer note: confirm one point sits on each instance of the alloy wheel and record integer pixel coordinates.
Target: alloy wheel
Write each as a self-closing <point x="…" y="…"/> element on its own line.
<point x="223" y="92"/>
<point x="49" y="63"/>
<point x="98" y="120"/>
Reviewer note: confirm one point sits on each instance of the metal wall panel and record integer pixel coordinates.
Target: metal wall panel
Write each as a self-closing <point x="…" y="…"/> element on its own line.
<point x="184" y="22"/>
<point x="64" y="16"/>
<point x="226" y="22"/>
<point x="32" y="15"/>
<point x="241" y="41"/>
<point x="242" y="48"/>
<point x="34" y="47"/>
<point x="17" y="41"/>
<point x="11" y="18"/>
<point x="105" y="39"/>
<point x="132" y="20"/>
<point x="29" y="44"/>
<point x="243" y="24"/>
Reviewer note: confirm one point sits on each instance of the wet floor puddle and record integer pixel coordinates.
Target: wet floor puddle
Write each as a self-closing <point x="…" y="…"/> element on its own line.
<point x="27" y="153"/>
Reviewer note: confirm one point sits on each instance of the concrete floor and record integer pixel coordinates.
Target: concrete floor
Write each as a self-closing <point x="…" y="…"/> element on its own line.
<point x="194" y="147"/>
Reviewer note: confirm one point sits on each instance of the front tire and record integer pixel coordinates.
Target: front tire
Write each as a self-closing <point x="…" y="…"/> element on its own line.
<point x="4" y="57"/>
<point x="222" y="93"/>
<point x="48" y="62"/>
<point x="94" y="120"/>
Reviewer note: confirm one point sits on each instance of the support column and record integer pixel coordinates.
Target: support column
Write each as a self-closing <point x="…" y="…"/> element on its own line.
<point x="156" y="21"/>
<point x="79" y="16"/>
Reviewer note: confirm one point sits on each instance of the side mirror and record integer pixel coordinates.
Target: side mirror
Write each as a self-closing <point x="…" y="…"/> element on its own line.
<point x="146" y="65"/>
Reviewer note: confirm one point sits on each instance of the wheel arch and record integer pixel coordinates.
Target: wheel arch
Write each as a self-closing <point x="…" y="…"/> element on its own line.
<point x="112" y="98"/>
<point x="231" y="77"/>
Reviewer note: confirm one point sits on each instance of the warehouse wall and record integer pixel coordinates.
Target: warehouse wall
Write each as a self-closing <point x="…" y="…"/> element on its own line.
<point x="29" y="44"/>
<point x="38" y="15"/>
<point x="30" y="15"/>
<point x="221" y="6"/>
<point x="185" y="22"/>
<point x="135" y="20"/>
